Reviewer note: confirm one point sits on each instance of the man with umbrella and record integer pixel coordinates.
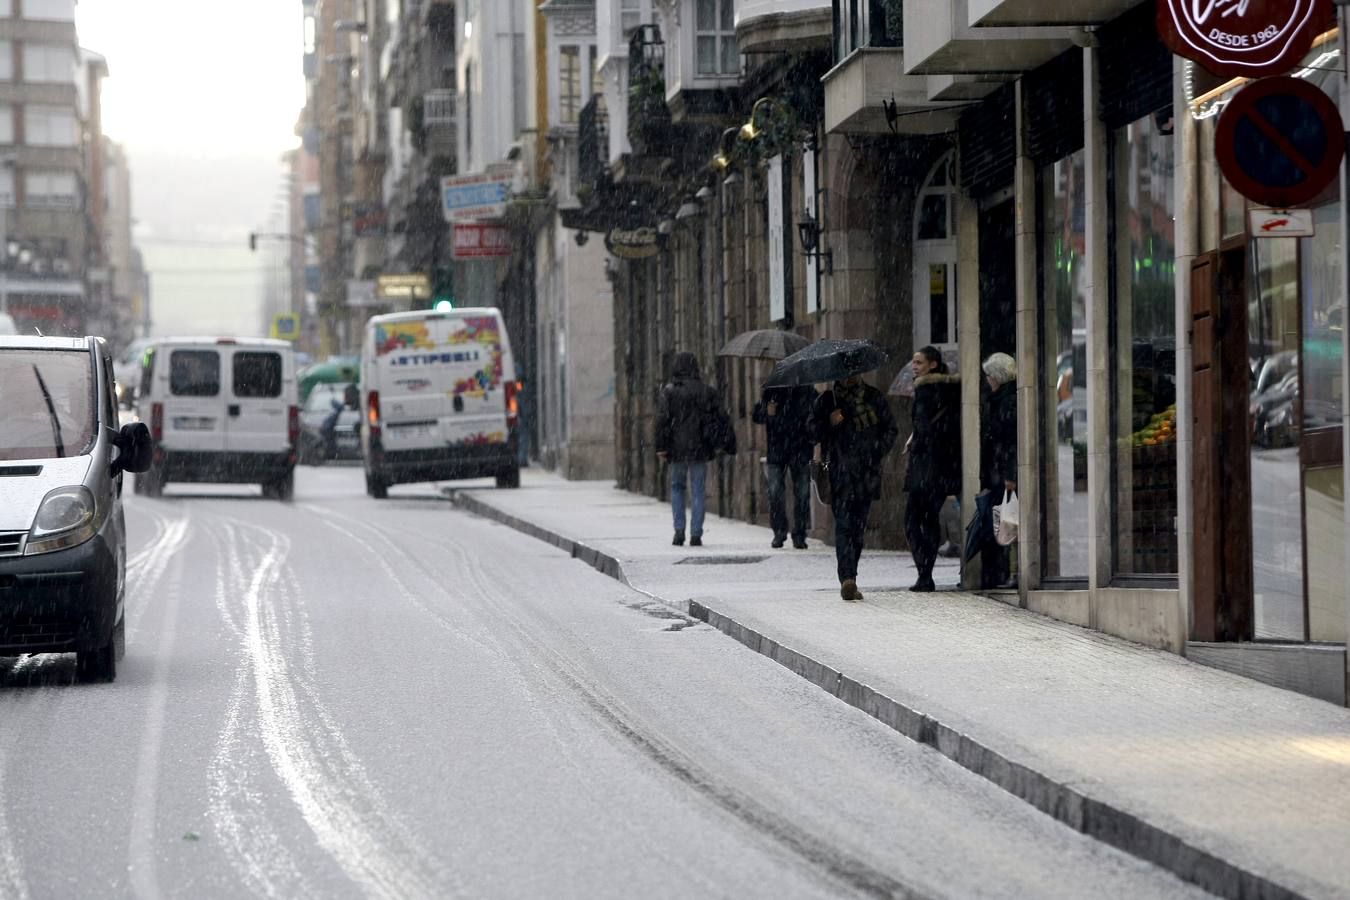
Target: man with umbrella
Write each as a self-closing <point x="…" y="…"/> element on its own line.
<point x="785" y="413"/>
<point x="855" y="428"/>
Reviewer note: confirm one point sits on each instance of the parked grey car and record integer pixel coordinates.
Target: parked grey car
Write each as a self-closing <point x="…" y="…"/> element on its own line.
<point x="62" y="534"/>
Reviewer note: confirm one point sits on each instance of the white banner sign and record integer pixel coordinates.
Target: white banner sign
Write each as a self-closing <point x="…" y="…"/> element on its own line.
<point x="809" y="206"/>
<point x="777" y="266"/>
<point x="479" y="196"/>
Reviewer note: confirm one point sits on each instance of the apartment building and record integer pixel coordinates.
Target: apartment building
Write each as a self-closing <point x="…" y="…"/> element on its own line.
<point x="53" y="274"/>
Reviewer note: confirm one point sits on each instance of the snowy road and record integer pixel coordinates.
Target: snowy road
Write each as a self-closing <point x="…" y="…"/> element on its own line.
<point x="341" y="697"/>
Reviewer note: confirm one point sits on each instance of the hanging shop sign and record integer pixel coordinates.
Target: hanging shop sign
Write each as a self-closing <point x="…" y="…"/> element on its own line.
<point x="633" y="243"/>
<point x="1242" y="38"/>
<point x="414" y="286"/>
<point x="1280" y="142"/>
<point x="1281" y="222"/>
<point x="480" y="241"/>
<point x="482" y="195"/>
<point x="362" y="293"/>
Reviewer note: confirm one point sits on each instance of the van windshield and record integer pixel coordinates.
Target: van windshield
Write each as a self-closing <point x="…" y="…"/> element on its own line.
<point x="47" y="408"/>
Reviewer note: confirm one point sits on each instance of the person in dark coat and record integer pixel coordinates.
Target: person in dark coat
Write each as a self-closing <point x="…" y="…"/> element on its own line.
<point x="785" y="413"/>
<point x="999" y="453"/>
<point x="691" y="427"/>
<point x="934" y="470"/>
<point x="856" y="430"/>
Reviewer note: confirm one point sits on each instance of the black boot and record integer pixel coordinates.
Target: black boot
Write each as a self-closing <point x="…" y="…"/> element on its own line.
<point x="679" y="539"/>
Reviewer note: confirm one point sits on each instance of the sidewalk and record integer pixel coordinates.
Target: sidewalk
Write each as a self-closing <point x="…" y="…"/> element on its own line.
<point x="1234" y="785"/>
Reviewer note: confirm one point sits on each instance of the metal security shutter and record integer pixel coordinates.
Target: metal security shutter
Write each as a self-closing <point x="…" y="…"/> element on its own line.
<point x="1136" y="69"/>
<point x="987" y="143"/>
<point x="1052" y="98"/>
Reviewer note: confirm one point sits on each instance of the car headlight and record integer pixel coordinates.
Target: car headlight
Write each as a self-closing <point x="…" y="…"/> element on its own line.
<point x="67" y="517"/>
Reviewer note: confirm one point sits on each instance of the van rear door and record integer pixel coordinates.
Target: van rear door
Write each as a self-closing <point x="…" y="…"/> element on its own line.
<point x="478" y="408"/>
<point x="258" y="401"/>
<point x="194" y="406"/>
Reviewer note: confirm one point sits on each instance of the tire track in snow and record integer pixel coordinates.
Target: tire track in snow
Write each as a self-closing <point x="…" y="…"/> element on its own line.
<point x="12" y="882"/>
<point x="305" y="746"/>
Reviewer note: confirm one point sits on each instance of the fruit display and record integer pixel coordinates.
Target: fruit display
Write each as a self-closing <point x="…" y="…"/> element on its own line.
<point x="1161" y="429"/>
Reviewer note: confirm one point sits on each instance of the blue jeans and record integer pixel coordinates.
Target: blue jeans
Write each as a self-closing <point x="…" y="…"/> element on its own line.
<point x="690" y="478"/>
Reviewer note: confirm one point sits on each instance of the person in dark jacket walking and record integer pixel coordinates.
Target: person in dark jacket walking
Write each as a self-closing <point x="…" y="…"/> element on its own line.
<point x="934" y="471"/>
<point x="785" y="413"/>
<point x="1000" y="456"/>
<point x="691" y="427"/>
<point x="856" y="430"/>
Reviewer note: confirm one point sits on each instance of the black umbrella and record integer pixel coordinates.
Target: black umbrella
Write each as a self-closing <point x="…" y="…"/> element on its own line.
<point x="764" y="343"/>
<point x="827" y="361"/>
<point x="980" y="530"/>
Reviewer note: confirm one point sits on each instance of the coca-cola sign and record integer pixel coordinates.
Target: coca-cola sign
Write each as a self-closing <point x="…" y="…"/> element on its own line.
<point x="1246" y="38"/>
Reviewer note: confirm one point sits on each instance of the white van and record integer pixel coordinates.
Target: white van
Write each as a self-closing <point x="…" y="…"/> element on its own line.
<point x="221" y="410"/>
<point x="438" y="398"/>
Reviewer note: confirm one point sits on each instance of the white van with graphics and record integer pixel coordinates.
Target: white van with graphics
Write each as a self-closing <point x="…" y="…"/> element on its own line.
<point x="221" y="410"/>
<point x="439" y="399"/>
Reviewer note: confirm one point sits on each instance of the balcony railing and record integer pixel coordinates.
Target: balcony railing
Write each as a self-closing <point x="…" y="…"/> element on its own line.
<point x="648" y="115"/>
<point x="593" y="141"/>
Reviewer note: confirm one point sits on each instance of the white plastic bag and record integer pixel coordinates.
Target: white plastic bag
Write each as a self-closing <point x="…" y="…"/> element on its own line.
<point x="1006" y="516"/>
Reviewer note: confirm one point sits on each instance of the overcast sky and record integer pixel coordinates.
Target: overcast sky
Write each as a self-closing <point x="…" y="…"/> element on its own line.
<point x="204" y="96"/>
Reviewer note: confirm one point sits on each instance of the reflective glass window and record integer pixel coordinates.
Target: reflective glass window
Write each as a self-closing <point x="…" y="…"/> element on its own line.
<point x="194" y="373"/>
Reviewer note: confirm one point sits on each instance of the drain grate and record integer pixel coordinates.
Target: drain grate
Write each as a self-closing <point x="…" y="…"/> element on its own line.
<point x="720" y="560"/>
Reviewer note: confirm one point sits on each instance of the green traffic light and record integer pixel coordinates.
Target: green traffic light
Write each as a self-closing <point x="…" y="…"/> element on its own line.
<point x="444" y="305"/>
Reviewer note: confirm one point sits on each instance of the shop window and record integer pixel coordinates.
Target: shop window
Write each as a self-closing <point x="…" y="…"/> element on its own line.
<point x="1064" y="289"/>
<point x="935" y="258"/>
<point x="1143" y="351"/>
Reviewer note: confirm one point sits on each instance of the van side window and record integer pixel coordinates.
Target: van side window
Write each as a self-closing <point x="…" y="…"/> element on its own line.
<point x="194" y="373"/>
<point x="257" y="374"/>
<point x="110" y="395"/>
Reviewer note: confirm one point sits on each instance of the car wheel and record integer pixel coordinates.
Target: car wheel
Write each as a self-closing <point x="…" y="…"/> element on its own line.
<point x="93" y="666"/>
<point x="376" y="487"/>
<point x="510" y="478"/>
<point x="284" y="488"/>
<point x="154" y="482"/>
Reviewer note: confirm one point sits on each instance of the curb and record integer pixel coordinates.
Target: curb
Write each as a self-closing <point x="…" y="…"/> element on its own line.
<point x="1095" y="818"/>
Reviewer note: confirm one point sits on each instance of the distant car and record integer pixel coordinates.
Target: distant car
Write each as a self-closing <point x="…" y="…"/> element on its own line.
<point x="62" y="534"/>
<point x="127" y="370"/>
<point x="323" y="401"/>
<point x="221" y="410"/>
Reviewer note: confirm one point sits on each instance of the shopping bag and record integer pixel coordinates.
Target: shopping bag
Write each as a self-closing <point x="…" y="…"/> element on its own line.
<point x="1006" y="515"/>
<point x="820" y="481"/>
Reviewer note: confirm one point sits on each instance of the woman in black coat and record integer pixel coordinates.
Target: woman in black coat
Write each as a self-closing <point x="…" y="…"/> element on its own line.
<point x="1000" y="455"/>
<point x="934" y="470"/>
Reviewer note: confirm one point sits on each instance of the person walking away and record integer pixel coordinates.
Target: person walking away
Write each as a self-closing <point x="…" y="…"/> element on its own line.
<point x="934" y="471"/>
<point x="785" y="413"/>
<point x="691" y="427"/>
<point x="856" y="430"/>
<point x="999" y="453"/>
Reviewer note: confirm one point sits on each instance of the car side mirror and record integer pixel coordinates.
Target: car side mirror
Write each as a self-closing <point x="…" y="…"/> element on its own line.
<point x="138" y="449"/>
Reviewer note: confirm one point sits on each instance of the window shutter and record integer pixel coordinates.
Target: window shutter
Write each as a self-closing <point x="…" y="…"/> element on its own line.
<point x="1136" y="69"/>
<point x="1052" y="98"/>
<point x="987" y="141"/>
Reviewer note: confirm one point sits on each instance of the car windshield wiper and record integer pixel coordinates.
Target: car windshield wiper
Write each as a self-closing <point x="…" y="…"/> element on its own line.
<point x="51" y="410"/>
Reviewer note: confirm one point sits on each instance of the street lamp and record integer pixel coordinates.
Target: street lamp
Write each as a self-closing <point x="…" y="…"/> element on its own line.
<point x="808" y="232"/>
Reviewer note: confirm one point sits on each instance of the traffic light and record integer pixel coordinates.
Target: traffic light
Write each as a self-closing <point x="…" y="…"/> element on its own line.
<point x="442" y="289"/>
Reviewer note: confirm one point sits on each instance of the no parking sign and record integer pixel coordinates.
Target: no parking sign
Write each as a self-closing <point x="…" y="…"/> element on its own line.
<point x="1280" y="142"/>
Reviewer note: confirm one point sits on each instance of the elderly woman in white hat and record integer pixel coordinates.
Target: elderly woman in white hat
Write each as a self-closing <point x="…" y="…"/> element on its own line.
<point x="999" y="436"/>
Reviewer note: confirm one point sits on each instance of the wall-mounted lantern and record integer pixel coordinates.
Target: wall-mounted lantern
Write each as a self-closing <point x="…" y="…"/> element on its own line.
<point x="808" y="232"/>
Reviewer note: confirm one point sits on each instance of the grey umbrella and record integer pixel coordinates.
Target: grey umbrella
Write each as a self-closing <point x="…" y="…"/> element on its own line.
<point x="764" y="343"/>
<point x="827" y="361"/>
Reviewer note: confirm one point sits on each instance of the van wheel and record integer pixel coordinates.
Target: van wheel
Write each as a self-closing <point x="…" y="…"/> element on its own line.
<point x="120" y="639"/>
<point x="376" y="487"/>
<point x="282" y="489"/>
<point x="93" y="666"/>
<point x="510" y="478"/>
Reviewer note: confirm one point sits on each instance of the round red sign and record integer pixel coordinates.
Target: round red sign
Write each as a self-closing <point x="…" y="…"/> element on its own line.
<point x="1242" y="38"/>
<point x="1280" y="142"/>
